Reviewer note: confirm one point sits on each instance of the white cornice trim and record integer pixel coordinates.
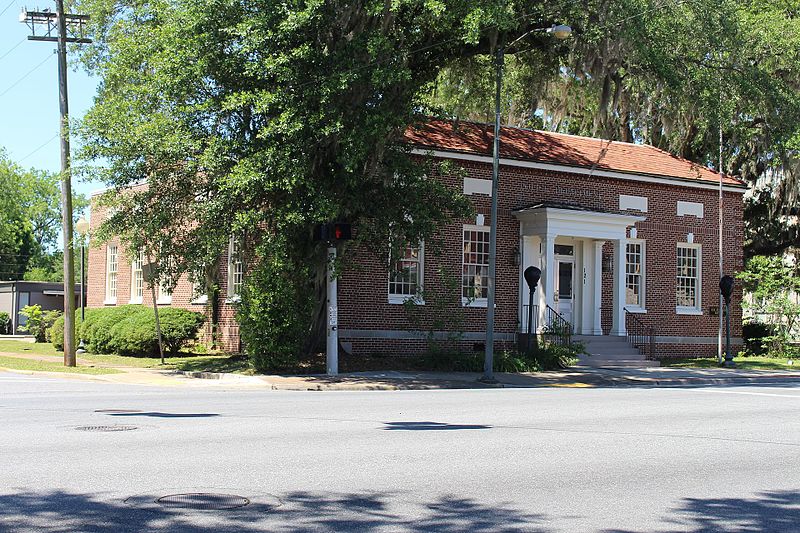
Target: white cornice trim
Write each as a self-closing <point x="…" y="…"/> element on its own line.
<point x="665" y="180"/>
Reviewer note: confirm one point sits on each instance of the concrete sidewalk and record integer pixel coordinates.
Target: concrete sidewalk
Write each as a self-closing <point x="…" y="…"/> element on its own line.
<point x="579" y="376"/>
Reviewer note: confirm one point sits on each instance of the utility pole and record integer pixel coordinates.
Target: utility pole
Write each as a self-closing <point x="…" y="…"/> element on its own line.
<point x="57" y="23"/>
<point x="488" y="363"/>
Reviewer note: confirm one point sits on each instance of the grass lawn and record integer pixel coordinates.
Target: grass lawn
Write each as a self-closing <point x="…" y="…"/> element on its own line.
<point x="47" y="366"/>
<point x="745" y="363"/>
<point x="187" y="361"/>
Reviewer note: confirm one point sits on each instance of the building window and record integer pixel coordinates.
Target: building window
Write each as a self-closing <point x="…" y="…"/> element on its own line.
<point x="199" y="295"/>
<point x="112" y="263"/>
<point x="475" y="265"/>
<point x="235" y="268"/>
<point x="688" y="278"/>
<point x="405" y="278"/>
<point x="634" y="275"/>
<point x="137" y="278"/>
<point x="164" y="289"/>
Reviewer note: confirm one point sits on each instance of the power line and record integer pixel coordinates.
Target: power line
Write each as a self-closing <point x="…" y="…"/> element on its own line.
<point x="26" y="75"/>
<point x="13" y="48"/>
<point x="8" y="6"/>
<point x="48" y="141"/>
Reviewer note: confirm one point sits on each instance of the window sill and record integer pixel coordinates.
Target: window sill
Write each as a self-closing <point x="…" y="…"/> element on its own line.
<point x="481" y="302"/>
<point x="110" y="301"/>
<point x="636" y="310"/>
<point x="235" y="299"/>
<point x="688" y="311"/>
<point x="135" y="301"/>
<point x="164" y="301"/>
<point x="203" y="300"/>
<point x="400" y="300"/>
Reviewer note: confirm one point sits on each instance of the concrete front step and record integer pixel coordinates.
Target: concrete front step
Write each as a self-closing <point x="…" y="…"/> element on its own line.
<point x="608" y="351"/>
<point x="607" y="363"/>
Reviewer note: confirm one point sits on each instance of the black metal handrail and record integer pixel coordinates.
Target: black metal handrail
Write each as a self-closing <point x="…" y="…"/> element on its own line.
<point x="640" y="335"/>
<point x="557" y="327"/>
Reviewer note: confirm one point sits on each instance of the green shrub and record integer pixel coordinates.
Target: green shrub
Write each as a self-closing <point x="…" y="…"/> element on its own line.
<point x="48" y="319"/>
<point x="57" y="333"/>
<point x="136" y="334"/>
<point x="275" y="312"/>
<point x="99" y="337"/>
<point x="5" y="323"/>
<point x="130" y="330"/>
<point x="754" y="333"/>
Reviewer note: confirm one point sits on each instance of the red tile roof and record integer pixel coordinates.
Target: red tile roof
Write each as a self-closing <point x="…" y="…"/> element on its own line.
<point x="559" y="149"/>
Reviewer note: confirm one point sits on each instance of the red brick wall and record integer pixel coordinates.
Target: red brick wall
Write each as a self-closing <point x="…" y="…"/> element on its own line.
<point x="363" y="302"/>
<point x="228" y="334"/>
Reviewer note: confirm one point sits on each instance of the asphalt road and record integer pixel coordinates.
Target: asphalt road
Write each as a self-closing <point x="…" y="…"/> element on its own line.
<point x="539" y="460"/>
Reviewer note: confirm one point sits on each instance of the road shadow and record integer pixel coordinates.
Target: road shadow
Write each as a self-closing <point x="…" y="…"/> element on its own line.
<point x="772" y="511"/>
<point x="430" y="426"/>
<point x="300" y="512"/>
<point x="157" y="414"/>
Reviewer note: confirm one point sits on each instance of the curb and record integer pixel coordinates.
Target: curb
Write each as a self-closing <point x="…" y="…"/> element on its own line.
<point x="221" y="376"/>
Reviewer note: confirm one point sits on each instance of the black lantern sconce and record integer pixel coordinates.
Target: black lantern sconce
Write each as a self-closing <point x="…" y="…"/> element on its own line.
<point x="608" y="263"/>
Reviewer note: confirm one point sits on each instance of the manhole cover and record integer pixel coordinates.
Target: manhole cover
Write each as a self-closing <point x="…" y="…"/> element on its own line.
<point x="203" y="500"/>
<point x="117" y="427"/>
<point x="115" y="411"/>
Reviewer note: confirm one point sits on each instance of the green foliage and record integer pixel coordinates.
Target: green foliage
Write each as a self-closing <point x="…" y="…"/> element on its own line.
<point x="131" y="330"/>
<point x="274" y="313"/>
<point x="442" y="311"/>
<point x="549" y="357"/>
<point x="38" y="322"/>
<point x="30" y="222"/>
<point x="774" y="285"/>
<point x="5" y="323"/>
<point x="753" y="334"/>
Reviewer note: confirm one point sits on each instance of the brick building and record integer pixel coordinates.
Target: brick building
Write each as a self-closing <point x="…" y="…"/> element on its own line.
<point x="617" y="229"/>
<point x="115" y="277"/>
<point x="621" y="232"/>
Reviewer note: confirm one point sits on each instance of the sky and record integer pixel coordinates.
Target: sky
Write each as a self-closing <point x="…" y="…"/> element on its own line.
<point x="29" y="114"/>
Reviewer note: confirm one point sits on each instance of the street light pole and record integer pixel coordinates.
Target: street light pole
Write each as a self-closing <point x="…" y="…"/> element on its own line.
<point x="488" y="363"/>
<point x="560" y="32"/>
<point x="82" y="227"/>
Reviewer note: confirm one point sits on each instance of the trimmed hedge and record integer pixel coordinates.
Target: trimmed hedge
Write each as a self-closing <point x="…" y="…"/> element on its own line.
<point x="131" y="330"/>
<point x="753" y="334"/>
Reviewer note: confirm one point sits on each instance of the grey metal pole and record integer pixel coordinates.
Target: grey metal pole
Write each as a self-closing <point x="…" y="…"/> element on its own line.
<point x="66" y="193"/>
<point x="81" y="348"/>
<point x="488" y="364"/>
<point x="530" y="321"/>
<point x="332" y="347"/>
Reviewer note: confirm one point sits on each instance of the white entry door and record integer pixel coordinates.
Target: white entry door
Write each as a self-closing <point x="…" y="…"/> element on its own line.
<point x="564" y="287"/>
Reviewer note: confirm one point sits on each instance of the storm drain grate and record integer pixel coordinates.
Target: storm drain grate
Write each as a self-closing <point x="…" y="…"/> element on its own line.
<point x="116" y="427"/>
<point x="203" y="501"/>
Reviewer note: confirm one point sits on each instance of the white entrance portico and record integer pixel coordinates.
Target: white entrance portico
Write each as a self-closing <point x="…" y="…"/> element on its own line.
<point x="566" y="243"/>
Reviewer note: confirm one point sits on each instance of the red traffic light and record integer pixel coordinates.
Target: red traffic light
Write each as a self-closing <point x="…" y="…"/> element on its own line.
<point x="333" y="231"/>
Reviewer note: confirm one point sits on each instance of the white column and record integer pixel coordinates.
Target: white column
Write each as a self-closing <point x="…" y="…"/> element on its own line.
<point x="618" y="327"/>
<point x="597" y="286"/>
<point x="548" y="282"/>
<point x="584" y="270"/>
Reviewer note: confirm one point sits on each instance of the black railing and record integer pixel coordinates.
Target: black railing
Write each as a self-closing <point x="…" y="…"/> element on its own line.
<point x="557" y="329"/>
<point x="640" y="335"/>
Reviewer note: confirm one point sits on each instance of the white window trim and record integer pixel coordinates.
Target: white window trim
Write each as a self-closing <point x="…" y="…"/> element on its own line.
<point x="697" y="309"/>
<point x="136" y="299"/>
<point x="416" y="298"/>
<point x="109" y="300"/>
<point x="232" y="297"/>
<point x="163" y="298"/>
<point x="470" y="302"/>
<point x="197" y="297"/>
<point x="642" y="307"/>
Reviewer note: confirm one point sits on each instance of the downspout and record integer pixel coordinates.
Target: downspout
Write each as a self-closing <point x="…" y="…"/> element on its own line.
<point x="14" y="311"/>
